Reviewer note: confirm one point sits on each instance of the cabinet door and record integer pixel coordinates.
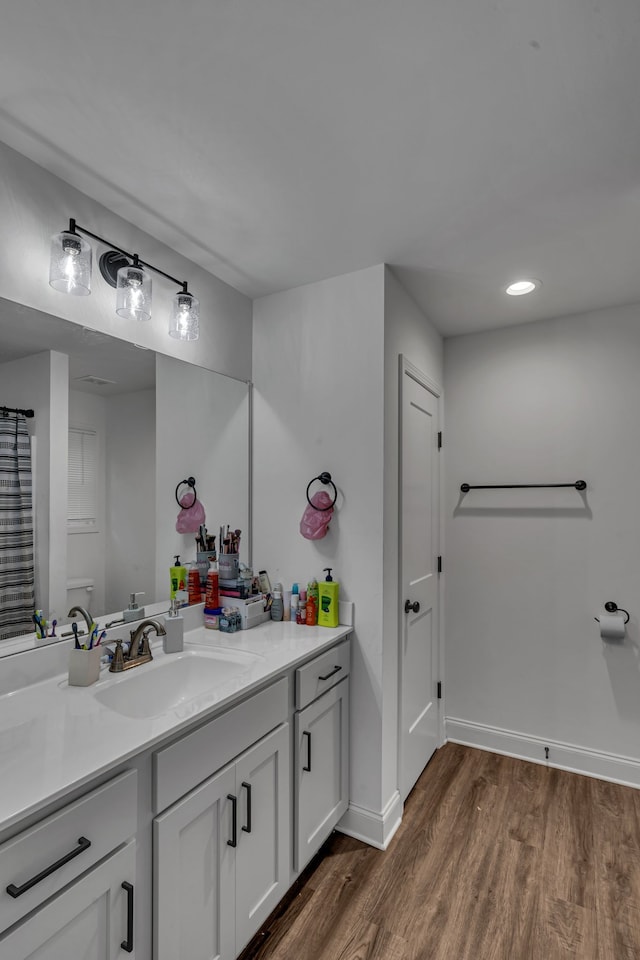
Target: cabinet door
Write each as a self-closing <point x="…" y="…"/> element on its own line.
<point x="194" y="874"/>
<point x="264" y="830"/>
<point x="89" y="921"/>
<point x="322" y="769"/>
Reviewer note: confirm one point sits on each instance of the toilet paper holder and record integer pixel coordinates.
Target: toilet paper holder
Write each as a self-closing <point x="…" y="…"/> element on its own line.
<point x="612" y="607"/>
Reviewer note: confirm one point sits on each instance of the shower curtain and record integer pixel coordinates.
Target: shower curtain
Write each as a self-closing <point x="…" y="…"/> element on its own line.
<point x="16" y="528"/>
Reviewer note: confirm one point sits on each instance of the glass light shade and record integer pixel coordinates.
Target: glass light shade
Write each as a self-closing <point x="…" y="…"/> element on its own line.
<point x="133" y="293"/>
<point x="185" y="317"/>
<point x="70" y="264"/>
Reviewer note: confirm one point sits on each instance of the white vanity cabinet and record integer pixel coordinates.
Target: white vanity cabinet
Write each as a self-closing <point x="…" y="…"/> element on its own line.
<point x="222" y="852"/>
<point x="321" y="730"/>
<point x="92" y="920"/>
<point x="68" y="882"/>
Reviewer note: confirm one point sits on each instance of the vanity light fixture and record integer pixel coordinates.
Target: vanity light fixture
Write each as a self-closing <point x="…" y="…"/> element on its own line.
<point x="520" y="287"/>
<point x="70" y="272"/>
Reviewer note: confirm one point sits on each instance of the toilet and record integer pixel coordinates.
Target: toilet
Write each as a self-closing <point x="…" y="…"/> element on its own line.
<point x="79" y="590"/>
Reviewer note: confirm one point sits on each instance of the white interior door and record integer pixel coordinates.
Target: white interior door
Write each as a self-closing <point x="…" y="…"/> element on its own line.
<point x="419" y="525"/>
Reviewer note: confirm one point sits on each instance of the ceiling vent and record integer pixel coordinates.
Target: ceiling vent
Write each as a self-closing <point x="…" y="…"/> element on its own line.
<point x="90" y="378"/>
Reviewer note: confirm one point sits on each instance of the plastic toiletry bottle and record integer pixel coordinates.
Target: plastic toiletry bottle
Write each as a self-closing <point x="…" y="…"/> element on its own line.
<point x="312" y="589"/>
<point x="301" y="614"/>
<point x="193" y="580"/>
<point x="212" y="597"/>
<point x="329" y="591"/>
<point x="286" y="599"/>
<point x="178" y="575"/>
<point x="173" y="641"/>
<point x="263" y="580"/>
<point x="277" y="607"/>
<point x="294" y="603"/>
<point x="312" y="610"/>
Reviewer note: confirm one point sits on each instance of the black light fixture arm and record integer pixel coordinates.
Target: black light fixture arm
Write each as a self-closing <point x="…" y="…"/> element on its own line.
<point x="75" y="228"/>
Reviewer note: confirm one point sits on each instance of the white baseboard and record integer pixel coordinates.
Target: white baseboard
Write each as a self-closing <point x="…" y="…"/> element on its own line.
<point x="376" y="829"/>
<point x="564" y="756"/>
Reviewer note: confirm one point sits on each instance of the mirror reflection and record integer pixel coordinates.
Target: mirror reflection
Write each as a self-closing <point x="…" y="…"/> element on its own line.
<point x="115" y="429"/>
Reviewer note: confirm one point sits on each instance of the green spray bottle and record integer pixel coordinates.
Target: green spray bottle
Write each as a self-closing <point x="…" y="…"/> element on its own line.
<point x="328" y="601"/>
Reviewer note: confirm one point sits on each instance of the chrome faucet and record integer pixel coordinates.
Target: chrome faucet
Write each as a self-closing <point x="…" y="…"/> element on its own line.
<point x="139" y="648"/>
<point x="88" y="619"/>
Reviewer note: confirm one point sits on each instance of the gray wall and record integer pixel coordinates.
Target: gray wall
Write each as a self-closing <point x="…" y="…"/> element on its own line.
<point x="527" y="571"/>
<point x="35" y="204"/>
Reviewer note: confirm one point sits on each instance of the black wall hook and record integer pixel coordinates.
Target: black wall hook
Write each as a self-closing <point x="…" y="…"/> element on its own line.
<point x="190" y="482"/>
<point x="612" y="607"/>
<point x="324" y="477"/>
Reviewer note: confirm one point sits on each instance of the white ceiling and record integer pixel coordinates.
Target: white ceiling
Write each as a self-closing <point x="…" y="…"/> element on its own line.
<point x="119" y="366"/>
<point x="464" y="142"/>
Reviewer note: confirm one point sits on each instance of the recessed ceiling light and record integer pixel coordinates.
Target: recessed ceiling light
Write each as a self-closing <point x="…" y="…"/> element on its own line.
<point x="520" y="287"/>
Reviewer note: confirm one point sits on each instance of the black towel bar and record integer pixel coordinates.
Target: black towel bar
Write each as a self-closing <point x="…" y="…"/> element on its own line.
<point x="465" y="487"/>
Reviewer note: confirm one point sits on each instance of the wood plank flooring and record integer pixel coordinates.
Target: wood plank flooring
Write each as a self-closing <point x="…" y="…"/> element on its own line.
<point x="496" y="859"/>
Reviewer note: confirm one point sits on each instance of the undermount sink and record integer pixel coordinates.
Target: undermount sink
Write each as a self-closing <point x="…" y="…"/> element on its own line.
<point x="156" y="688"/>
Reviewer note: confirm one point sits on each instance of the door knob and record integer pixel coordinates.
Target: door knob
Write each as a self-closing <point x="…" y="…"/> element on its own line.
<point x="415" y="606"/>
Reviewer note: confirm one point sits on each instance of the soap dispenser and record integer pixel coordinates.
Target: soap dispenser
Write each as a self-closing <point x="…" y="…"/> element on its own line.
<point x="329" y="592"/>
<point x="173" y="640"/>
<point x="133" y="611"/>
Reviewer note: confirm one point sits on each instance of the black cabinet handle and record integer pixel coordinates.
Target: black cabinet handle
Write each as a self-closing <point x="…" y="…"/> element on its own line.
<point x="247" y="826"/>
<point x="330" y="674"/>
<point x="308" y="735"/>
<point x="13" y="891"/>
<point x="128" y="943"/>
<point x="234" y="821"/>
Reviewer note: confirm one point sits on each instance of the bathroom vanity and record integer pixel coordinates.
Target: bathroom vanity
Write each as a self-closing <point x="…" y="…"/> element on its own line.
<point x="163" y="814"/>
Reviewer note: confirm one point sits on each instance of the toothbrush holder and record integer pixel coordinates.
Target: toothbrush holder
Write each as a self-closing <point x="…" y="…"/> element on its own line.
<point x="84" y="667"/>
<point x="228" y="566"/>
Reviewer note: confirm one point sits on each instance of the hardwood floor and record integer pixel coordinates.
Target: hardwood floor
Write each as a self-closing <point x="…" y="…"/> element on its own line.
<point x="496" y="859"/>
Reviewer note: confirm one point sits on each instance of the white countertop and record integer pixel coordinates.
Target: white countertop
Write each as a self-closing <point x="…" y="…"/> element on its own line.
<point x="54" y="737"/>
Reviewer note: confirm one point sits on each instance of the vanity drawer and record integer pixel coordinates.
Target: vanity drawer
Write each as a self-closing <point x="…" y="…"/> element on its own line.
<point x="321" y="673"/>
<point x="61" y="847"/>
<point x="184" y="764"/>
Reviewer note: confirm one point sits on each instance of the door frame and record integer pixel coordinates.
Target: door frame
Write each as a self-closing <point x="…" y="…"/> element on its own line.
<point x="407" y="368"/>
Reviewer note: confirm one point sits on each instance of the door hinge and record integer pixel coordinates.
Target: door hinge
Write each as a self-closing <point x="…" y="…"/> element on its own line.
<point x="439" y="439"/>
<point x="439" y="564"/>
<point x="439" y="689"/>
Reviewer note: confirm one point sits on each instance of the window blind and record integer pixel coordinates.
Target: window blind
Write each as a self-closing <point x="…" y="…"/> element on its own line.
<point x="82" y="497"/>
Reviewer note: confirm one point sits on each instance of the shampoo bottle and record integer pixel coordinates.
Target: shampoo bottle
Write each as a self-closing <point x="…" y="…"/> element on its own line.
<point x="178" y="575"/>
<point x="312" y="603"/>
<point x="329" y="591"/>
<point x="277" y="607"/>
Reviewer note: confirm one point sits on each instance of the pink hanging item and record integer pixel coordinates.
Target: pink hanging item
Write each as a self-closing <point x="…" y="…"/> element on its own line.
<point x="319" y="510"/>
<point x="192" y="514"/>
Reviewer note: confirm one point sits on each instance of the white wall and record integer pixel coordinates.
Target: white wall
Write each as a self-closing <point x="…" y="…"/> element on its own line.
<point x="318" y="364"/>
<point x="406" y="332"/>
<point x="40" y="382"/>
<point x="527" y="571"/>
<point x="35" y="204"/>
<point x="202" y="430"/>
<point x="131" y="500"/>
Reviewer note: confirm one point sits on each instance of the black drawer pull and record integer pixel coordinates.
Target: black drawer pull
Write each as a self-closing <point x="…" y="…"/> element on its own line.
<point x="331" y="673"/>
<point x="247" y="826"/>
<point x="128" y="943"/>
<point x="308" y="765"/>
<point x="234" y="821"/>
<point x="13" y="891"/>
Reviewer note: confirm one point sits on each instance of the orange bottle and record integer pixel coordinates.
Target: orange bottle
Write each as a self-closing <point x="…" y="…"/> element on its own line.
<point x="212" y="599"/>
<point x="312" y="611"/>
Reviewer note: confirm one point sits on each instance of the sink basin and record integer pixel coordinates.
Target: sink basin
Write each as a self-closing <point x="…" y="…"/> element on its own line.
<point x="165" y="684"/>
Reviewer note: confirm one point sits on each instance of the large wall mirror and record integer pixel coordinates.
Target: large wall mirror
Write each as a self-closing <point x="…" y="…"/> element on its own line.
<point x="132" y="424"/>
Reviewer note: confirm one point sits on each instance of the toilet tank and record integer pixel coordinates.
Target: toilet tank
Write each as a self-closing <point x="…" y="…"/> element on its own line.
<point x="79" y="591"/>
